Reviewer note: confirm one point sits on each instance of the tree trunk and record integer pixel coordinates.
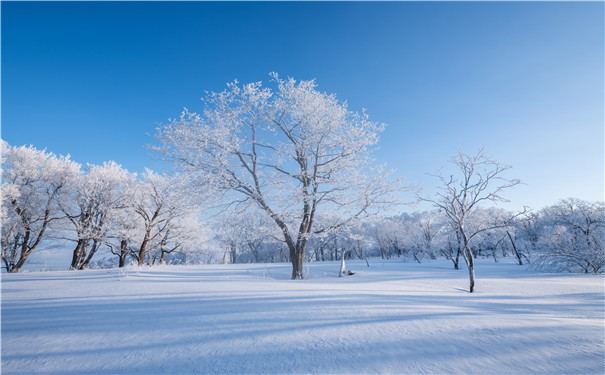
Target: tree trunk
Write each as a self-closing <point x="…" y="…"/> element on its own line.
<point x="93" y="250"/>
<point x="297" y="257"/>
<point x="233" y="253"/>
<point x="79" y="255"/>
<point x="457" y="260"/>
<point x="470" y="263"/>
<point x="75" y="260"/>
<point x="142" y="251"/>
<point x="342" y="264"/>
<point x="22" y="259"/>
<point x="301" y="262"/>
<point x="467" y="253"/>
<point x="294" y="261"/>
<point x="123" y="253"/>
<point x="471" y="274"/>
<point x="515" y="248"/>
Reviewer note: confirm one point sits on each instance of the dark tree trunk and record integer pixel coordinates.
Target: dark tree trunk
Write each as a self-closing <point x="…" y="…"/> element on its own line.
<point x="457" y="260"/>
<point x="23" y="257"/>
<point x="93" y="250"/>
<point x="142" y="250"/>
<point x="515" y="248"/>
<point x="25" y="251"/>
<point x="297" y="257"/>
<point x="123" y="252"/>
<point x="79" y="254"/>
<point x="233" y="253"/>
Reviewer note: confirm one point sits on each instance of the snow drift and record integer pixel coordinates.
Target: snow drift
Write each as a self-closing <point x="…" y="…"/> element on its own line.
<point x="392" y="317"/>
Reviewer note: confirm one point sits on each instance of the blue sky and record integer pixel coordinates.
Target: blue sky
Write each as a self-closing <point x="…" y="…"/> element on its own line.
<point x="525" y="80"/>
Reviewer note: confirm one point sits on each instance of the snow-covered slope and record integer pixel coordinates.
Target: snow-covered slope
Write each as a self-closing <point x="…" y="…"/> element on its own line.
<point x="392" y="317"/>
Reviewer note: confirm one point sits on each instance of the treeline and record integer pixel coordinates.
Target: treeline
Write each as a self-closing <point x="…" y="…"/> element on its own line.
<point x="50" y="198"/>
<point x="153" y="218"/>
<point x="568" y="236"/>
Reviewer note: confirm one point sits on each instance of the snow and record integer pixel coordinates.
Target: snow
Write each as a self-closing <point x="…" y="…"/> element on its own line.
<point x="392" y="317"/>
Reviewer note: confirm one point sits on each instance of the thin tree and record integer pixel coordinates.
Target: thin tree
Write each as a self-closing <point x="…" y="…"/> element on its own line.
<point x="479" y="180"/>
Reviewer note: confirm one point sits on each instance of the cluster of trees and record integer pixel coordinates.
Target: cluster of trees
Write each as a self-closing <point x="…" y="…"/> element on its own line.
<point x="49" y="197"/>
<point x="291" y="177"/>
<point x="567" y="236"/>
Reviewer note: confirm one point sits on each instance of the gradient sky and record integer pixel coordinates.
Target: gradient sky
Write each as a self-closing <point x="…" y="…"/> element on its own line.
<point x="525" y="80"/>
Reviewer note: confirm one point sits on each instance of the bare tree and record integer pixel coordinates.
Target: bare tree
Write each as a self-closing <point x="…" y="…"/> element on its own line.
<point x="291" y="152"/>
<point x="479" y="180"/>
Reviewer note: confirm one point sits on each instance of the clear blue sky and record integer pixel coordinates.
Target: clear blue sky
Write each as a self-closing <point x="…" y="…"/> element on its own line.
<point x="525" y="80"/>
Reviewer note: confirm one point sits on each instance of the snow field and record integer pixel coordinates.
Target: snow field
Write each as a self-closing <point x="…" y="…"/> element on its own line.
<point x="392" y="317"/>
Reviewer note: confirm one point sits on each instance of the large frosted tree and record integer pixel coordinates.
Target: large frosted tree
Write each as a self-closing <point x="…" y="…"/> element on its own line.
<point x="32" y="181"/>
<point x="291" y="151"/>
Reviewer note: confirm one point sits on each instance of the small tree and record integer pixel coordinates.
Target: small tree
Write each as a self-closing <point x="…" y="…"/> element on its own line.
<point x="479" y="180"/>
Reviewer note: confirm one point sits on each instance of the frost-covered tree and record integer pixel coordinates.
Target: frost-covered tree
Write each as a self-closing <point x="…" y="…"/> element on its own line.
<point x="387" y="232"/>
<point x="357" y="239"/>
<point x="528" y="230"/>
<point x="479" y="180"/>
<point x="95" y="197"/>
<point x="323" y="247"/>
<point x="292" y="151"/>
<point x="451" y="247"/>
<point x="574" y="239"/>
<point x="185" y="235"/>
<point x="423" y="227"/>
<point x="31" y="183"/>
<point x="158" y="201"/>
<point x="124" y="227"/>
<point x="246" y="236"/>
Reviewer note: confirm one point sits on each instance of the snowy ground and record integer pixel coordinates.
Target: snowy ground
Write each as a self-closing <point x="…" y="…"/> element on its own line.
<point x="392" y="317"/>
